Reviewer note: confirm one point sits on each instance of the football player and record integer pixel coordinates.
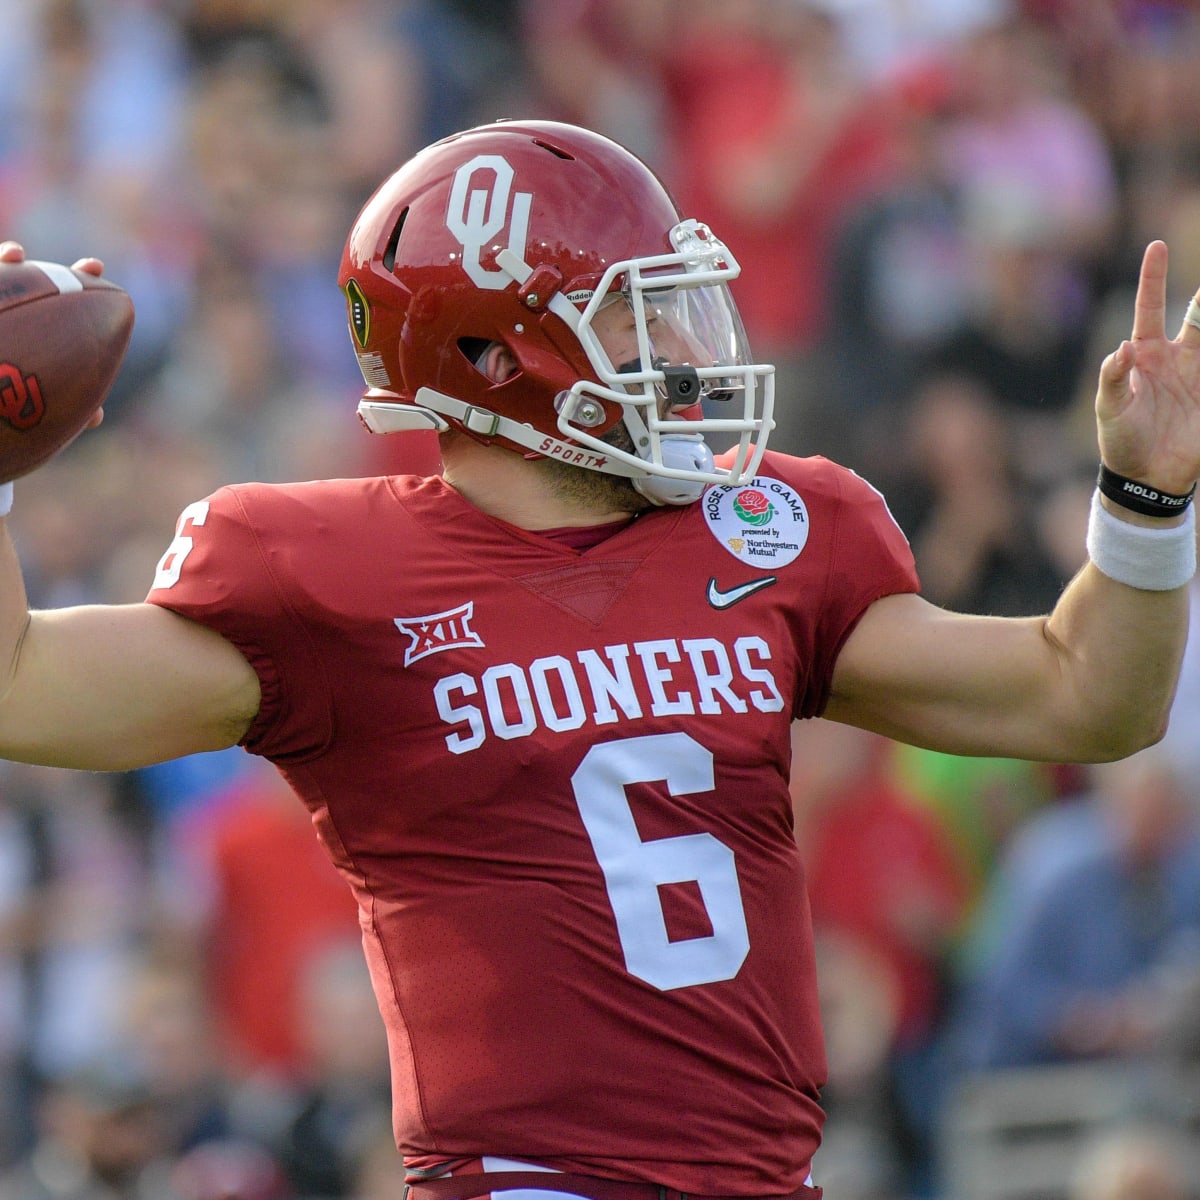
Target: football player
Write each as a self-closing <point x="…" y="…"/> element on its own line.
<point x="539" y="706"/>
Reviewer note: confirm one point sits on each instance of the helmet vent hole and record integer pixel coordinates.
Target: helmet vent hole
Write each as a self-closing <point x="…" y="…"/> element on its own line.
<point x="389" y="253"/>
<point x="557" y="151"/>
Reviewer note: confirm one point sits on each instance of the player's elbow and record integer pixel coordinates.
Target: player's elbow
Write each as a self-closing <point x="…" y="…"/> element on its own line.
<point x="1099" y="709"/>
<point x="1148" y="735"/>
<point x="1121" y="736"/>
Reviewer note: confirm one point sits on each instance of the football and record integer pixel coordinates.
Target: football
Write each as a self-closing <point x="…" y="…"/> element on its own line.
<point x="63" y="336"/>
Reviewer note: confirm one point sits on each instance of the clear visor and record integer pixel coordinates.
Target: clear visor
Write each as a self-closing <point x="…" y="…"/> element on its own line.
<point x="666" y="341"/>
<point x="671" y="310"/>
<point x="695" y="327"/>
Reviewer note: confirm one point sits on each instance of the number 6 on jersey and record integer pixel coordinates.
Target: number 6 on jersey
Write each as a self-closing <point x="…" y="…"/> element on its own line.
<point x="634" y="869"/>
<point x="171" y="564"/>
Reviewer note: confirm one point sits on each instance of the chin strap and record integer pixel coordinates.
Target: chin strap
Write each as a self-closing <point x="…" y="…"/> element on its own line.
<point x="680" y="452"/>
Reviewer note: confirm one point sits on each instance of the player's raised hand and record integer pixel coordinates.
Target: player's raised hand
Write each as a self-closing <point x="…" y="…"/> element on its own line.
<point x="1148" y="400"/>
<point x="65" y="333"/>
<point x="14" y="252"/>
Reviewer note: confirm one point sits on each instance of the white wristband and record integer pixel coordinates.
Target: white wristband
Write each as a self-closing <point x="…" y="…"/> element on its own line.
<point x="6" y="498"/>
<point x="1155" y="560"/>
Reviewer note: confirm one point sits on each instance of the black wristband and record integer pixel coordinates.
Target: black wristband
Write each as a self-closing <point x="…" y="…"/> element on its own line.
<point x="1141" y="497"/>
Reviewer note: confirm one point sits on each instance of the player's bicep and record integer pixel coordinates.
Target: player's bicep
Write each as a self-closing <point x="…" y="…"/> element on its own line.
<point x="108" y="687"/>
<point x="957" y="683"/>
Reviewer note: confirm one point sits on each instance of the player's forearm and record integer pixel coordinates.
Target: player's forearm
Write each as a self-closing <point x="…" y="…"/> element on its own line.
<point x="14" y="612"/>
<point x="1120" y="650"/>
<point x="24" y="735"/>
<point x="1091" y="682"/>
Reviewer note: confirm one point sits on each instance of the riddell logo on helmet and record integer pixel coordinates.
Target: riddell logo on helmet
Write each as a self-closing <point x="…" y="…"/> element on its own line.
<point x="21" y="403"/>
<point x="477" y="216"/>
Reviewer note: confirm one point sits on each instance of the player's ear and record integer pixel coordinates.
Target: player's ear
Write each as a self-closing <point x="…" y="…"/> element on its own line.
<point x="497" y="362"/>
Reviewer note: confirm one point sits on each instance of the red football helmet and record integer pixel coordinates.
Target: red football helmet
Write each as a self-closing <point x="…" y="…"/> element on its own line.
<point x="544" y="238"/>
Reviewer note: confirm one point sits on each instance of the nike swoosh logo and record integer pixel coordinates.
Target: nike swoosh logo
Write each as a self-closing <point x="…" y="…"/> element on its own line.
<point x="726" y="597"/>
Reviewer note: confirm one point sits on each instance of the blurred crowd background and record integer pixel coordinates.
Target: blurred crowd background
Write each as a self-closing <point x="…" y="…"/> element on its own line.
<point x="939" y="206"/>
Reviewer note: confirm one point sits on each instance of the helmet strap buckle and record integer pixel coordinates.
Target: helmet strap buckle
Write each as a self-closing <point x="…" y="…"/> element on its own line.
<point x="481" y="421"/>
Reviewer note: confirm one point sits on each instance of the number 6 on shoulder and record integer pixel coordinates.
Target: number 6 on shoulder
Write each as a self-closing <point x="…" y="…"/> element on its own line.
<point x="171" y="564"/>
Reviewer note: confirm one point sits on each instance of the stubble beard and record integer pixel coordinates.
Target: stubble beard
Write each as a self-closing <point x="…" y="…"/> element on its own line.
<point x="597" y="491"/>
<point x="592" y="491"/>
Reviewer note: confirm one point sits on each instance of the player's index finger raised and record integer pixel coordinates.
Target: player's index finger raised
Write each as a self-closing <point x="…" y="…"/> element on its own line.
<point x="1149" y="308"/>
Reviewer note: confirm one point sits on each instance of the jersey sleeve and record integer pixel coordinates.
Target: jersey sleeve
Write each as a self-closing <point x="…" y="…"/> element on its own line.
<point x="869" y="557"/>
<point x="215" y="572"/>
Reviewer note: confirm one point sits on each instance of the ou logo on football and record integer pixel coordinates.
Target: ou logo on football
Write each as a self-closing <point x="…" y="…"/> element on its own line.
<point x="478" y="215"/>
<point x="21" y="403"/>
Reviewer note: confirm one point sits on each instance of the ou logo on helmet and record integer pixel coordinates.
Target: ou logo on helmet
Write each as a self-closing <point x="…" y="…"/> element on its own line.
<point x="478" y="215"/>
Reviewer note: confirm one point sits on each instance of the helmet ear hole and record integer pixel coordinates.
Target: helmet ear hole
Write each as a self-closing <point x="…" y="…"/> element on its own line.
<point x="493" y="360"/>
<point x="479" y="352"/>
<point x="474" y="350"/>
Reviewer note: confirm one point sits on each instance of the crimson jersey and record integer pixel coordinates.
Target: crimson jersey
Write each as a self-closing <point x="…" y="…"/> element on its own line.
<point x="557" y="782"/>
